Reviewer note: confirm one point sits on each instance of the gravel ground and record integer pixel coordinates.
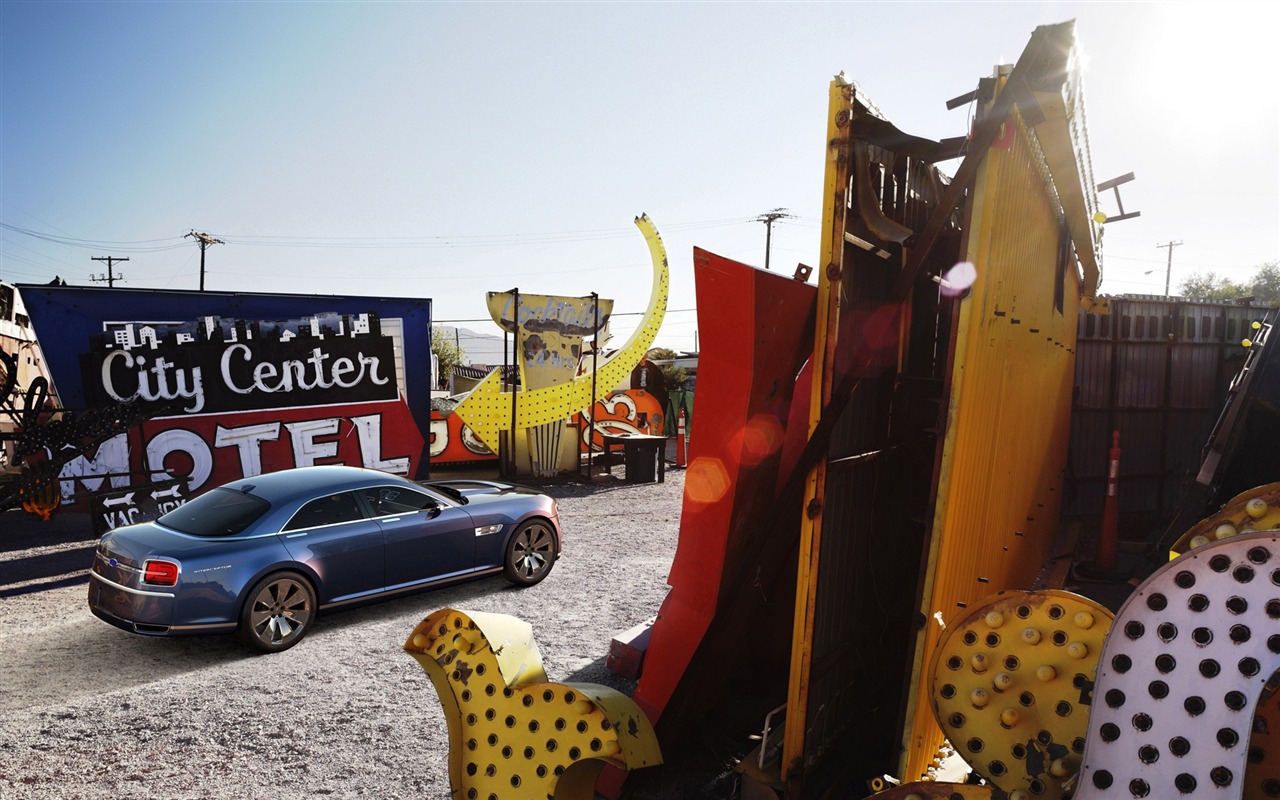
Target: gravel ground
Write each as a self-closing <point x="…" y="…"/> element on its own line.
<point x="88" y="711"/>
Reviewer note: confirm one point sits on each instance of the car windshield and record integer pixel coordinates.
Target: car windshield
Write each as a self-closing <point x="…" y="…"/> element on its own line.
<point x="222" y="512"/>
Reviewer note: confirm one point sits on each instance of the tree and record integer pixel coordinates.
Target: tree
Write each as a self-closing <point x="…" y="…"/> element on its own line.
<point x="1210" y="287"/>
<point x="449" y="355"/>
<point x="1264" y="287"/>
<point x="1266" y="283"/>
<point x="673" y="375"/>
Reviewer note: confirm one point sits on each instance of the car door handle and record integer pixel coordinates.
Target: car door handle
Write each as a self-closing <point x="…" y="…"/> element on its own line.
<point x="294" y="535"/>
<point x="389" y="519"/>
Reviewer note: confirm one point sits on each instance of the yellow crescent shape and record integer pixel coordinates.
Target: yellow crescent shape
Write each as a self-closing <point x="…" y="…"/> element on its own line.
<point x="487" y="409"/>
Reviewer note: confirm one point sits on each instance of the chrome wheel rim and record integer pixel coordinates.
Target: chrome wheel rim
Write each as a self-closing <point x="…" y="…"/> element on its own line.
<point x="280" y="611"/>
<point x="532" y="551"/>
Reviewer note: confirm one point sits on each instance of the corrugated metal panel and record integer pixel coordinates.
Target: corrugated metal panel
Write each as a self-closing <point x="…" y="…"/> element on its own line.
<point x="844" y="600"/>
<point x="1005" y="448"/>
<point x="868" y="554"/>
<point x="1157" y="370"/>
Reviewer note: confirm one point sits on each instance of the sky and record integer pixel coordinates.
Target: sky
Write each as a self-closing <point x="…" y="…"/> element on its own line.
<point x="446" y="150"/>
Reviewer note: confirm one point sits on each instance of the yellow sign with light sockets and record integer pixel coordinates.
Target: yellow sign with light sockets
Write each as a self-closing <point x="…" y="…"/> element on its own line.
<point x="1257" y="509"/>
<point x="512" y="733"/>
<point x="1011" y="684"/>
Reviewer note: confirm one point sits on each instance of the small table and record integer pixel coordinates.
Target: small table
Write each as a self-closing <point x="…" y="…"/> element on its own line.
<point x="638" y="454"/>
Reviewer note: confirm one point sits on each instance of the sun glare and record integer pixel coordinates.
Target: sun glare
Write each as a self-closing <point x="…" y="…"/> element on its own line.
<point x="1208" y="54"/>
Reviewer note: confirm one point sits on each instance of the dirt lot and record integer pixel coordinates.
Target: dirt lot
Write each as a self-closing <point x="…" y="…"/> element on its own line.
<point x="88" y="711"/>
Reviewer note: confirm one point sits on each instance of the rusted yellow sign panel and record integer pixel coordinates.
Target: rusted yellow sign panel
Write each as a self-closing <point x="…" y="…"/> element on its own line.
<point x="549" y="331"/>
<point x="1005" y="449"/>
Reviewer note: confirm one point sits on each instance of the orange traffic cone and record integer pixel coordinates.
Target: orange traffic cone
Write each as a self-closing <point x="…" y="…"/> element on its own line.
<point x="1110" y="529"/>
<point x="680" y="440"/>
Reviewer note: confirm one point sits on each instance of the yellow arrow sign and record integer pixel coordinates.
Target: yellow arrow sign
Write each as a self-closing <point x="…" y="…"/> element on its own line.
<point x="487" y="409"/>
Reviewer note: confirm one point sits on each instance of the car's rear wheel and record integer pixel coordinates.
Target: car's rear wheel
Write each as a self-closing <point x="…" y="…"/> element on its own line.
<point x="531" y="553"/>
<point x="278" y="612"/>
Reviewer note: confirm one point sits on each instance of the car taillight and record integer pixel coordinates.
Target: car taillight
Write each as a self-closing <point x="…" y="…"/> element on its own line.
<point x="160" y="573"/>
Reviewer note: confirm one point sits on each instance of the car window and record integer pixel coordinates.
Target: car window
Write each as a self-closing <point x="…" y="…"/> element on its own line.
<point x="221" y="512"/>
<point x="329" y="510"/>
<point x="386" y="500"/>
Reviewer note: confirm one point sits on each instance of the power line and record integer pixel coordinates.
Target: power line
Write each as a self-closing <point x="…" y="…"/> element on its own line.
<point x="375" y="243"/>
<point x="349" y="242"/>
<point x="479" y="240"/>
<point x="615" y="314"/>
<point x="142" y="246"/>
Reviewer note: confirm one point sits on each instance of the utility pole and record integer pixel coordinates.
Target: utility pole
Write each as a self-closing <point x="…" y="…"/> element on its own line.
<point x="768" y="219"/>
<point x="110" y="277"/>
<point x="204" y="240"/>
<point x="1168" y="271"/>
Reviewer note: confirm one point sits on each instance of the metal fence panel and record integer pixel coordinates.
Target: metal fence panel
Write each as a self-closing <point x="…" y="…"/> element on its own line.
<point x="1156" y="369"/>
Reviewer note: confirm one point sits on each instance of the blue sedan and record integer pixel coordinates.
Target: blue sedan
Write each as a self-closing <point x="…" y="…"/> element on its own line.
<point x="263" y="555"/>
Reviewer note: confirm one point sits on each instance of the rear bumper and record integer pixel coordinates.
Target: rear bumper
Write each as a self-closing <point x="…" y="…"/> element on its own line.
<point x="150" y="613"/>
<point x="128" y="625"/>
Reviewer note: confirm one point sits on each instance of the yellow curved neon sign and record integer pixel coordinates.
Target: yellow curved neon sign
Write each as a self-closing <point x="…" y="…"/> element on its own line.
<point x="487" y="409"/>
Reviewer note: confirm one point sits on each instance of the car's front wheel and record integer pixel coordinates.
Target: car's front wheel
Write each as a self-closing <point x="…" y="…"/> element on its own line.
<point x="531" y="553"/>
<point x="278" y="612"/>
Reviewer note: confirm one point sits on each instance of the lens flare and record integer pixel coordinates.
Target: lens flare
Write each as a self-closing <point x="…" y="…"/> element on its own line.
<point x="959" y="279"/>
<point x="706" y="480"/>
<point x="760" y="438"/>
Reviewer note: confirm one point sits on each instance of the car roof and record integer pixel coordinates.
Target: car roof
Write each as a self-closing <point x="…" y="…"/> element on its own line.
<point x="290" y="484"/>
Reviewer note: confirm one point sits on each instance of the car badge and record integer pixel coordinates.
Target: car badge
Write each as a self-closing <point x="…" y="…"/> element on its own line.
<point x="113" y="562"/>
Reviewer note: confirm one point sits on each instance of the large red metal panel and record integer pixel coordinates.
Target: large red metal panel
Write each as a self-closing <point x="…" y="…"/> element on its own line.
<point x="756" y="331"/>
